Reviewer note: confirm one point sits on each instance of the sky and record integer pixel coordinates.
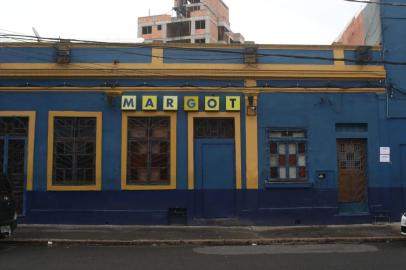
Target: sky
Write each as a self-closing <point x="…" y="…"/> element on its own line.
<point x="262" y="21"/>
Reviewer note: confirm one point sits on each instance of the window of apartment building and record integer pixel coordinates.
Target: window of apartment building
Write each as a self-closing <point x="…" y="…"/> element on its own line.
<point x="159" y="27"/>
<point x="146" y="30"/>
<point x="200" y="24"/>
<point x="74" y="151"/>
<point x="200" y="40"/>
<point x="288" y="159"/>
<point x="148" y="151"/>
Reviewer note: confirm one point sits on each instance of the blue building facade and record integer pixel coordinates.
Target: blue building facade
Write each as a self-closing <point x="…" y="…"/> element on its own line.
<point x="200" y="134"/>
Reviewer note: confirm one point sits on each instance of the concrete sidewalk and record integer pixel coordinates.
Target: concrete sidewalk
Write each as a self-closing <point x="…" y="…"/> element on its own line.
<point x="208" y="235"/>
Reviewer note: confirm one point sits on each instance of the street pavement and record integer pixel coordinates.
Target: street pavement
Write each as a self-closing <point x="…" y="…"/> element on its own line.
<point x="287" y="257"/>
<point x="208" y="235"/>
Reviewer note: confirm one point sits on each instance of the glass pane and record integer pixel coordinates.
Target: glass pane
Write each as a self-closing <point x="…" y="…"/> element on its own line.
<point x="292" y="172"/>
<point x="160" y="132"/>
<point x="274" y="161"/>
<point x="302" y="148"/>
<point x="74" y="150"/>
<point x="292" y="160"/>
<point x="298" y="134"/>
<point x="282" y="173"/>
<point x="302" y="172"/>
<point x="276" y="134"/>
<point x="282" y="160"/>
<point x="86" y="127"/>
<point x="302" y="161"/>
<point x="212" y="128"/>
<point x="274" y="172"/>
<point x="274" y="148"/>
<point x="292" y="149"/>
<point x="148" y="150"/>
<point x="282" y="149"/>
<point x="14" y="126"/>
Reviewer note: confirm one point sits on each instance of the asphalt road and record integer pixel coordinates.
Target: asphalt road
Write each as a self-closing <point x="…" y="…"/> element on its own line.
<point x="287" y="257"/>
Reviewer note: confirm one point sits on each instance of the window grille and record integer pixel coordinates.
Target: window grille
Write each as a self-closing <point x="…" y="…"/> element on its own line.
<point x="288" y="159"/>
<point x="14" y="126"/>
<point x="148" y="151"/>
<point x="74" y="157"/>
<point x="214" y="128"/>
<point x="1" y="156"/>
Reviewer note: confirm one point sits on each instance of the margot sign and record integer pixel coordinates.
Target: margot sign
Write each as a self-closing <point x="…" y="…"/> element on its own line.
<point x="171" y="103"/>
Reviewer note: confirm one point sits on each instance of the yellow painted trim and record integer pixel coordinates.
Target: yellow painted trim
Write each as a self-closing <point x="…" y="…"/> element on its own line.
<point x="98" y="183"/>
<point x="339" y="54"/>
<point x="31" y="115"/>
<point x="158" y="70"/>
<point x="191" y="157"/>
<point x="250" y="83"/>
<point x="251" y="146"/>
<point x="173" y="155"/>
<point x="157" y="56"/>
<point x="191" y="90"/>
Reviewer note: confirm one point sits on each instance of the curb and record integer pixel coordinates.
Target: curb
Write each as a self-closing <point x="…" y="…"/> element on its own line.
<point x="202" y="242"/>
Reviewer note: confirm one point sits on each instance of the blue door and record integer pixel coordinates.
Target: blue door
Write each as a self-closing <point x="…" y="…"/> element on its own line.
<point x="215" y="177"/>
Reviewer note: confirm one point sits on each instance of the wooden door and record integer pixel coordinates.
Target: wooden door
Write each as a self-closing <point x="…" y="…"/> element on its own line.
<point x="351" y="157"/>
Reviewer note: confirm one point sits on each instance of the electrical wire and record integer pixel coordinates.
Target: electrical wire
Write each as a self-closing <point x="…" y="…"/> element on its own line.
<point x="395" y="4"/>
<point x="194" y="49"/>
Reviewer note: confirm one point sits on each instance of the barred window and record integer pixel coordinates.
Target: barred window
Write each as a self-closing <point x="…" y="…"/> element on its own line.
<point x="148" y="151"/>
<point x="14" y="126"/>
<point x="288" y="159"/>
<point x="209" y="128"/>
<point x="74" y="156"/>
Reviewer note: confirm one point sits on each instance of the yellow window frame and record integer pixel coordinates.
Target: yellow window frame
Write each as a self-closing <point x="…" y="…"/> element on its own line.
<point x="237" y="137"/>
<point x="124" y="142"/>
<point x="98" y="170"/>
<point x="31" y="115"/>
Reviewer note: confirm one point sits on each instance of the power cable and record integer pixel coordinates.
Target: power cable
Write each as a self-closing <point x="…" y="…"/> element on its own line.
<point x="296" y="56"/>
<point x="396" y="4"/>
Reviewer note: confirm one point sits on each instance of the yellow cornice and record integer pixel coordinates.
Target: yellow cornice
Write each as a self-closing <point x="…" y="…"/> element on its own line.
<point x="120" y="90"/>
<point x="212" y="71"/>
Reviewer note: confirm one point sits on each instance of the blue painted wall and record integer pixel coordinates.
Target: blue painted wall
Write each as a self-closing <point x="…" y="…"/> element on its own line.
<point x="314" y="202"/>
<point x="271" y="204"/>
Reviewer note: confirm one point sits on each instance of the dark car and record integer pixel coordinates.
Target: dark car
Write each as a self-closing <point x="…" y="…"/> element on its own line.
<point x="8" y="212"/>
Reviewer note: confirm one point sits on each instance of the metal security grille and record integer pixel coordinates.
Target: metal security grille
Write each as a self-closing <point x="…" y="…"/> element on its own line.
<point x="351" y="156"/>
<point x="13" y="135"/>
<point x="2" y="156"/>
<point x="74" y="151"/>
<point x="148" y="151"/>
<point x="287" y="154"/>
<point x="214" y="128"/>
<point x="16" y="170"/>
<point x="14" y="126"/>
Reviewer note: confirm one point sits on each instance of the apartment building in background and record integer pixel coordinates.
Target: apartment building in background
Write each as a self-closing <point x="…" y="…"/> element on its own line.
<point x="196" y="21"/>
<point x="364" y="29"/>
